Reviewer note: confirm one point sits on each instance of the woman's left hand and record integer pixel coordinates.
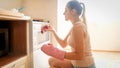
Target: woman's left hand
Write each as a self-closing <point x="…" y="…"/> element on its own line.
<point x="50" y="50"/>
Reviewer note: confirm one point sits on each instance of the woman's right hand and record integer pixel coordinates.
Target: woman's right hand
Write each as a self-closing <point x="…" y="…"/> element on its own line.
<point x="47" y="28"/>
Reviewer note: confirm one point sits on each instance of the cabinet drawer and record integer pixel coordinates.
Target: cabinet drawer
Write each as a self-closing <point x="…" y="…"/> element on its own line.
<point x="20" y="63"/>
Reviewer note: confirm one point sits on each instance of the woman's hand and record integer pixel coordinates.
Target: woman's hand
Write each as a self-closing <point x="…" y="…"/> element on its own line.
<point x="50" y="50"/>
<point x="47" y="28"/>
<point x="51" y="29"/>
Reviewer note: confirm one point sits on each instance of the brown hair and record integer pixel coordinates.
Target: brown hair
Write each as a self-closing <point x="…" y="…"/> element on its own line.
<point x="79" y="7"/>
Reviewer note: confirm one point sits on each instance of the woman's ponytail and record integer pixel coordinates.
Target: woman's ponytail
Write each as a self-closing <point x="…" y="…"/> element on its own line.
<point x="83" y="13"/>
<point x="83" y="9"/>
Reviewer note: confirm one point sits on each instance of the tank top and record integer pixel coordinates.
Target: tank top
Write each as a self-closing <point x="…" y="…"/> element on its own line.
<point x="86" y="48"/>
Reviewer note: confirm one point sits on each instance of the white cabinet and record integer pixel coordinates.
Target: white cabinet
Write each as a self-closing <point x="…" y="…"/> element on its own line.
<point x="19" y="63"/>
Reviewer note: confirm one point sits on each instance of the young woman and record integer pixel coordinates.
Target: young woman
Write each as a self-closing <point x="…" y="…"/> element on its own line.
<point x="77" y="38"/>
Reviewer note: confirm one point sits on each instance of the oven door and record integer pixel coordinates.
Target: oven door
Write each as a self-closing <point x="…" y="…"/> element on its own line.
<point x="40" y="59"/>
<point x="38" y="37"/>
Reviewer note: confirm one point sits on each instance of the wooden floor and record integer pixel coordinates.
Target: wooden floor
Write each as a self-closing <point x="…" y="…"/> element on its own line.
<point x="107" y="59"/>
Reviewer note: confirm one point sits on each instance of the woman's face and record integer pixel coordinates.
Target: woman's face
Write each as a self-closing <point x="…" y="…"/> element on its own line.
<point x="67" y="13"/>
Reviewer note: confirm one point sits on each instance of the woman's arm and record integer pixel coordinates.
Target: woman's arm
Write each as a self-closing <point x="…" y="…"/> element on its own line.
<point x="62" y="42"/>
<point x="77" y="39"/>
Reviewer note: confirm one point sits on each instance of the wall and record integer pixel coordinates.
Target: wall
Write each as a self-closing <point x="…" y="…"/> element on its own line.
<point x="103" y="24"/>
<point x="9" y="4"/>
<point x="102" y="20"/>
<point x="105" y="36"/>
<point x="63" y="26"/>
<point x="42" y="9"/>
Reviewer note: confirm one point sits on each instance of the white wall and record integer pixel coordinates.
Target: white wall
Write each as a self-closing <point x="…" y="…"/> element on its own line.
<point x="63" y="26"/>
<point x="103" y="23"/>
<point x="105" y="36"/>
<point x="10" y="4"/>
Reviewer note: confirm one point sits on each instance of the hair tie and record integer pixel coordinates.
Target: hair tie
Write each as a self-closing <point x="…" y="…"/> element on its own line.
<point x="83" y="8"/>
<point x="82" y="4"/>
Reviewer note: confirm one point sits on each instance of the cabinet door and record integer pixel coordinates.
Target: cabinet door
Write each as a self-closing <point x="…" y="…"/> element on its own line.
<point x="20" y="63"/>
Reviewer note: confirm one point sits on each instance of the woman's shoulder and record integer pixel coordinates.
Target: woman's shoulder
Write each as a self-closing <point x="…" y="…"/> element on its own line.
<point x="79" y="24"/>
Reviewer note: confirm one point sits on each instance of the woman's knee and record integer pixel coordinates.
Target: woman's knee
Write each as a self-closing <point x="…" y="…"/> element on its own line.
<point x="50" y="61"/>
<point x="53" y="62"/>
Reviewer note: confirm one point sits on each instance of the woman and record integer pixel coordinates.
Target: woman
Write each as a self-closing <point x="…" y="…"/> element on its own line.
<point x="77" y="38"/>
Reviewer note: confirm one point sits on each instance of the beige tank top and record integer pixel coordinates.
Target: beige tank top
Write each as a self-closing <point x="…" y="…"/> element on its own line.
<point x="88" y="59"/>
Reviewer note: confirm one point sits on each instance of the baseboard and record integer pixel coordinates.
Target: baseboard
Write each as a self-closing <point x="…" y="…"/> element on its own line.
<point x="105" y="51"/>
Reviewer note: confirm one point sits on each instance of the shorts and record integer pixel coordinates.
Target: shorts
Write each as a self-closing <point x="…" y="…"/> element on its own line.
<point x="92" y="66"/>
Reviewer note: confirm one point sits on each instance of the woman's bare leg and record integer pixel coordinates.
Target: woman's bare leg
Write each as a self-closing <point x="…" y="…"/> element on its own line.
<point x="55" y="63"/>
